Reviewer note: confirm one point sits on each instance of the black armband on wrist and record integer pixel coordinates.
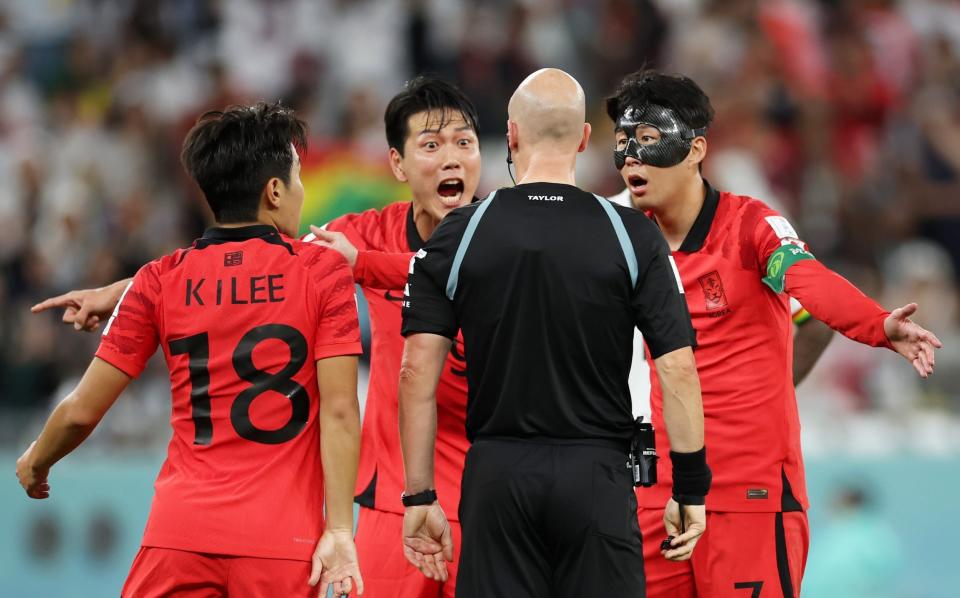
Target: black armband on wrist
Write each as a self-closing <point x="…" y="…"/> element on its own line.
<point x="691" y="477"/>
<point x="426" y="497"/>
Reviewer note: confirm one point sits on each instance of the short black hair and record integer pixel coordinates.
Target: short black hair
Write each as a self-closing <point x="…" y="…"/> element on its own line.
<point x="232" y="153"/>
<point x="677" y="92"/>
<point x="426" y="93"/>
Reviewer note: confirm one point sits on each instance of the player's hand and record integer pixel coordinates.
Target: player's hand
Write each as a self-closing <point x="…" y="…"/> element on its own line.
<point x="86" y="308"/>
<point x="695" y="523"/>
<point x="334" y="240"/>
<point x="33" y="480"/>
<point x="427" y="540"/>
<point x="911" y="340"/>
<point x="335" y="564"/>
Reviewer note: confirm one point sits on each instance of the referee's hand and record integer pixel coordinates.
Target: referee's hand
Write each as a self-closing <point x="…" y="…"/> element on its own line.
<point x="695" y="523"/>
<point x="427" y="540"/>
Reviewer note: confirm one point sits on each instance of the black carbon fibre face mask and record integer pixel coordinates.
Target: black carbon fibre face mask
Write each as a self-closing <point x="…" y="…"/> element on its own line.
<point x="673" y="146"/>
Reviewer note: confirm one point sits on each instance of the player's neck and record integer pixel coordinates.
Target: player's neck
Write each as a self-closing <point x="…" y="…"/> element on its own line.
<point x="676" y="217"/>
<point x="548" y="168"/>
<point x="425" y="222"/>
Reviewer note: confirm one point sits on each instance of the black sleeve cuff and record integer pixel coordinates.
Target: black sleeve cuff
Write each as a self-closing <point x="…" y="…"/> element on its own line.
<point x="416" y="326"/>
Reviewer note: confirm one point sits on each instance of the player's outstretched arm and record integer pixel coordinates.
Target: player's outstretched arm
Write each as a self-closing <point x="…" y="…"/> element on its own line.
<point x="427" y="540"/>
<point x="911" y="340"/>
<point x="70" y="424"/>
<point x="86" y="308"/>
<point x="371" y="268"/>
<point x="335" y="560"/>
<point x="833" y="300"/>
<point x="683" y="415"/>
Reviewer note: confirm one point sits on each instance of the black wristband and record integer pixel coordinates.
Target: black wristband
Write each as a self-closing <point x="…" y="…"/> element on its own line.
<point x="690" y="499"/>
<point x="427" y="497"/>
<point x="691" y="476"/>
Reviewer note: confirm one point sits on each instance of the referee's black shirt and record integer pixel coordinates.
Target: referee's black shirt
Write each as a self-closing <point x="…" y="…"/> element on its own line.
<point x="544" y="297"/>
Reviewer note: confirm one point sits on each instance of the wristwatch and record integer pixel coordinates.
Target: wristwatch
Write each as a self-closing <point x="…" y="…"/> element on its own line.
<point x="427" y="497"/>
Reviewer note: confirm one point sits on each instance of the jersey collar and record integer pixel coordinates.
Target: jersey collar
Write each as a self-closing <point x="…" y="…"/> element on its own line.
<point x="413" y="235"/>
<point x="701" y="226"/>
<point x="218" y="234"/>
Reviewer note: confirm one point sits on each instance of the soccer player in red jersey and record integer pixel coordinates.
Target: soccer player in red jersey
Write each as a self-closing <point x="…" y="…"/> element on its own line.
<point x="260" y="334"/>
<point x="739" y="262"/>
<point x="431" y="130"/>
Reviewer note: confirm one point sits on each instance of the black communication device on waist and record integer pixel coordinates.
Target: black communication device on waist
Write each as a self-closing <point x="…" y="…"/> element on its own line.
<point x="643" y="454"/>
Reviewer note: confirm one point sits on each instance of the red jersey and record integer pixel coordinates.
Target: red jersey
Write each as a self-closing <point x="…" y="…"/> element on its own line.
<point x="377" y="235"/>
<point x="241" y="316"/>
<point x="744" y="359"/>
<point x="737" y="264"/>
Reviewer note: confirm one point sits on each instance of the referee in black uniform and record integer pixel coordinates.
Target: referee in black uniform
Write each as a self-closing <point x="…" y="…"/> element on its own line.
<point x="547" y="283"/>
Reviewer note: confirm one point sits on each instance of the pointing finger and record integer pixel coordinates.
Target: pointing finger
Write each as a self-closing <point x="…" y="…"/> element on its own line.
<point x="59" y="301"/>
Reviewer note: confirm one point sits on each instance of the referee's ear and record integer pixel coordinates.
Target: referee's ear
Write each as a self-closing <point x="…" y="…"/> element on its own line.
<point x="512" y="132"/>
<point x="396" y="165"/>
<point x="585" y="140"/>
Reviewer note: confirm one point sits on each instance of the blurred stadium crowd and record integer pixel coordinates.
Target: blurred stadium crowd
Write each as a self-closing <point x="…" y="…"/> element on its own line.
<point x="842" y="113"/>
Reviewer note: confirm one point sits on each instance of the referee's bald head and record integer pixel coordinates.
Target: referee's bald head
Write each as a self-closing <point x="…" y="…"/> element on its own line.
<point x="549" y="110"/>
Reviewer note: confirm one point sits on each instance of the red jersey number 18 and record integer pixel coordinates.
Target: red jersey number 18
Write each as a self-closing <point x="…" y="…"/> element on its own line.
<point x="197" y="347"/>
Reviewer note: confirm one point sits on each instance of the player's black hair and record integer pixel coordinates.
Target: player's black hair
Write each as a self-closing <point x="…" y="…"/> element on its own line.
<point x="426" y="93"/>
<point x="233" y="153"/>
<point x="677" y="92"/>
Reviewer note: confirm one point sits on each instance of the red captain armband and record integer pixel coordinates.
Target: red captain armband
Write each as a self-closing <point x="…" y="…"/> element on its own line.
<point x="780" y="261"/>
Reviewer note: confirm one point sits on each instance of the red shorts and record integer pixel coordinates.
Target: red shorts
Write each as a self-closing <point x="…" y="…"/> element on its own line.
<point x="741" y="555"/>
<point x="167" y="572"/>
<point x="386" y="572"/>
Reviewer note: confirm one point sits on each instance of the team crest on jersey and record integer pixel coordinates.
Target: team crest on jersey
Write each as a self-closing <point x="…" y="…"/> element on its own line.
<point x="713" y="294"/>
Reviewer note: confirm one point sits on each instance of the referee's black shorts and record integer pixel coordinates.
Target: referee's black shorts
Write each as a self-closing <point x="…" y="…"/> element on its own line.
<point x="545" y="519"/>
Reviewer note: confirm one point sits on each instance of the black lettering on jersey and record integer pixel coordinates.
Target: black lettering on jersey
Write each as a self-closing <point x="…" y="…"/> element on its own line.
<point x="233" y="293"/>
<point x="459" y="355"/>
<point x="262" y="289"/>
<point x="756" y="586"/>
<point x="254" y="288"/>
<point x="194" y="291"/>
<point x="274" y="286"/>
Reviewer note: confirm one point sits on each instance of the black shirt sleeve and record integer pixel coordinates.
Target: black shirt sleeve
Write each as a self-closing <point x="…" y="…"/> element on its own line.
<point x="659" y="306"/>
<point x="426" y="307"/>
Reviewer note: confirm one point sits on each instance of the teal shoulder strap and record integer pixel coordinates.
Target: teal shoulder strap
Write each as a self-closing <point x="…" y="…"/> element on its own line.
<point x="622" y="236"/>
<point x="472" y="224"/>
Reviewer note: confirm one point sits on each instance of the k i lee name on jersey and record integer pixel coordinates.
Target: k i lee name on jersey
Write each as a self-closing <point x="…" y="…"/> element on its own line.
<point x="545" y="197"/>
<point x="236" y="290"/>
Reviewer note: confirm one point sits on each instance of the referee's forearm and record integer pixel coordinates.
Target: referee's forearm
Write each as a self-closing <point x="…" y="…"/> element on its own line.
<point x="418" y="431"/>
<point x="682" y="403"/>
<point x="423" y="359"/>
